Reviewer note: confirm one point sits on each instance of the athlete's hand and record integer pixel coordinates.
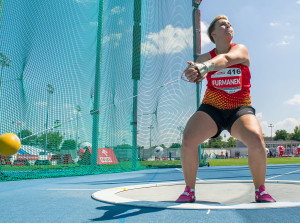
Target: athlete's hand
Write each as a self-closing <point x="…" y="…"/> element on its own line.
<point x="192" y="73"/>
<point x="196" y="71"/>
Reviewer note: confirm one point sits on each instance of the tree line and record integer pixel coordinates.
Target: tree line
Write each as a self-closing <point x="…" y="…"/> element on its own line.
<point x="284" y="135"/>
<point x="211" y="143"/>
<point x="52" y="140"/>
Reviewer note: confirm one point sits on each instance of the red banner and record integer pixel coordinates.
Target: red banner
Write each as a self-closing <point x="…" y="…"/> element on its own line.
<point x="105" y="156"/>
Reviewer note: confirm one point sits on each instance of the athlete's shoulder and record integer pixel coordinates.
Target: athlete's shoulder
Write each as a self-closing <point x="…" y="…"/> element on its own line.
<point x="239" y="46"/>
<point x="240" y="51"/>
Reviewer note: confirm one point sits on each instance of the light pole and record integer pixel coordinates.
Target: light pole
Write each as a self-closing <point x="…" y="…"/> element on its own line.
<point x="271" y="126"/>
<point x="151" y="127"/>
<point x="78" y="108"/>
<point x="50" y="90"/>
<point x="181" y="129"/>
<point x="4" y="62"/>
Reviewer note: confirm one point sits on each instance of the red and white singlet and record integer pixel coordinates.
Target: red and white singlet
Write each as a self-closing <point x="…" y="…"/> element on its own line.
<point x="228" y="88"/>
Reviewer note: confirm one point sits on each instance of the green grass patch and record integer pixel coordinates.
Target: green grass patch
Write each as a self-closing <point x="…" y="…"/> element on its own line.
<point x="238" y="162"/>
<point x="162" y="164"/>
<point x="223" y="162"/>
<point x="284" y="160"/>
<point x="227" y="162"/>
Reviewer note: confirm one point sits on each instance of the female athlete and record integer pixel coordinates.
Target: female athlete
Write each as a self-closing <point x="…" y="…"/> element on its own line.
<point x="226" y="106"/>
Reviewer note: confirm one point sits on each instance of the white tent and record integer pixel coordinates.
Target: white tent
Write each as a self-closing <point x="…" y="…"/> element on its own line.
<point x="30" y="150"/>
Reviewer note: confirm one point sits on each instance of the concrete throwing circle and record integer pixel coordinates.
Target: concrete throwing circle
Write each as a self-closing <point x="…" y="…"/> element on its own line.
<point x="210" y="195"/>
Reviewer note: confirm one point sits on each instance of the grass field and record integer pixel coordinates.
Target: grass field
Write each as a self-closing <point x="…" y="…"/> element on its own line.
<point x="10" y="173"/>
<point x="162" y="164"/>
<point x="225" y="162"/>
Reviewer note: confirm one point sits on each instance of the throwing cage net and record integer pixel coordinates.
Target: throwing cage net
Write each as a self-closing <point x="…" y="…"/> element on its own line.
<point x="93" y="86"/>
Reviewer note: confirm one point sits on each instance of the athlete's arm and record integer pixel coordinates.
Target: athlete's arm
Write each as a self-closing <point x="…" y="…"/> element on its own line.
<point x="236" y="55"/>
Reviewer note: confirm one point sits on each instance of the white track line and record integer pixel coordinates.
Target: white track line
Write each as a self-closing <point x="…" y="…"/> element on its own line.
<point x="182" y="172"/>
<point x="283" y="174"/>
<point x="76" y="189"/>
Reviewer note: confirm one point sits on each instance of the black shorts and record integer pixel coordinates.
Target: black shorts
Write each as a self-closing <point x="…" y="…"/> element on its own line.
<point x="225" y="118"/>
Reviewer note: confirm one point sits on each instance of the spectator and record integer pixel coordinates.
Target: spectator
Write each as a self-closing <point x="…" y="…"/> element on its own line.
<point x="288" y="150"/>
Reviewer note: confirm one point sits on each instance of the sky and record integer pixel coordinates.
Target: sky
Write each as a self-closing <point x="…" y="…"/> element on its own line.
<point x="57" y="46"/>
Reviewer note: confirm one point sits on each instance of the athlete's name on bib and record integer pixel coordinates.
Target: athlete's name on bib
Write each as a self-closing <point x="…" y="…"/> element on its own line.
<point x="226" y="82"/>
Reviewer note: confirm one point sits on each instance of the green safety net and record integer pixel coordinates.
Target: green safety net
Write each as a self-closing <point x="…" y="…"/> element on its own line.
<point x="93" y="86"/>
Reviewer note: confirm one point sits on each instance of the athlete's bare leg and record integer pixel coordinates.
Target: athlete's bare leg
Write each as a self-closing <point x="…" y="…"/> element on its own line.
<point x="199" y="128"/>
<point x="247" y="129"/>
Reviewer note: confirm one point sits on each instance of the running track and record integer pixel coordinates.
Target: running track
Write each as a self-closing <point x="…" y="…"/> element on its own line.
<point x="69" y="199"/>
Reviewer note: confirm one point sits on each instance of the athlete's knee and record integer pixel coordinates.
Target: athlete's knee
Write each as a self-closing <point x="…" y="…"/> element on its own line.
<point x="255" y="140"/>
<point x="189" y="141"/>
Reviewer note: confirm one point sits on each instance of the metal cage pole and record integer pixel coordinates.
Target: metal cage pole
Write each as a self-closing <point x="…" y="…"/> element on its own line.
<point x="1" y="9"/>
<point x="197" y="40"/>
<point x="197" y="49"/>
<point x="136" y="70"/>
<point x="95" y="112"/>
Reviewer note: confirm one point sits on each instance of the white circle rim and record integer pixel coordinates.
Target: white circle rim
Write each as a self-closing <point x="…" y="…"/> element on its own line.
<point x="111" y="196"/>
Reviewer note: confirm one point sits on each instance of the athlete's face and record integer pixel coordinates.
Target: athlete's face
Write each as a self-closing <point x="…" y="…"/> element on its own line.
<point x="223" y="30"/>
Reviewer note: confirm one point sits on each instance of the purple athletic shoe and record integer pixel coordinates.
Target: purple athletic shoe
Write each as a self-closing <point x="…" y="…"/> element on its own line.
<point x="187" y="196"/>
<point x="263" y="196"/>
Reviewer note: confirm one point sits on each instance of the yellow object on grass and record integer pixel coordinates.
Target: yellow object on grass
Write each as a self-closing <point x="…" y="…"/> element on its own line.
<point x="9" y="144"/>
